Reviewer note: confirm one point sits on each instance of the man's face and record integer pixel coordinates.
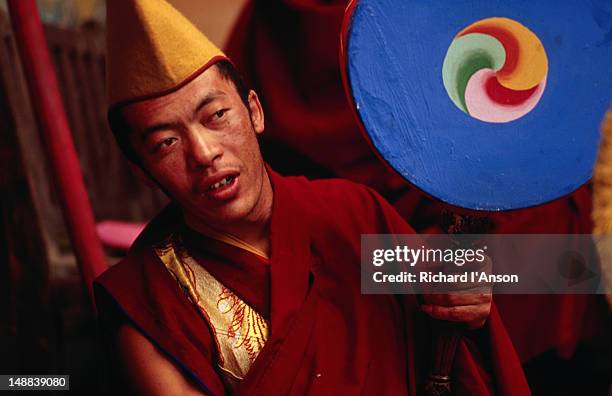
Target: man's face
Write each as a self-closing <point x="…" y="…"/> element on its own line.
<point x="199" y="145"/>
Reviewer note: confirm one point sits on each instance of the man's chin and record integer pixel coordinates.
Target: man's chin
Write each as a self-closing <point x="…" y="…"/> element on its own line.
<point x="229" y="214"/>
<point x="228" y="217"/>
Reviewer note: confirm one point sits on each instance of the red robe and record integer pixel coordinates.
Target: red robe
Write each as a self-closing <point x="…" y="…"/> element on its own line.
<point x="326" y="337"/>
<point x="288" y="51"/>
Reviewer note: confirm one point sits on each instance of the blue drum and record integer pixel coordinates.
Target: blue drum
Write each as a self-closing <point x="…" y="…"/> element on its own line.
<point x="487" y="105"/>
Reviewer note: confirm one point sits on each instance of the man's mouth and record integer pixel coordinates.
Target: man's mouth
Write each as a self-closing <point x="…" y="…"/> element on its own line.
<point x="223" y="182"/>
<point x="223" y="189"/>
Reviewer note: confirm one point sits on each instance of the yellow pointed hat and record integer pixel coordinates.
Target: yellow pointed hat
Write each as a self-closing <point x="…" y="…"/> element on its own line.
<point x="152" y="50"/>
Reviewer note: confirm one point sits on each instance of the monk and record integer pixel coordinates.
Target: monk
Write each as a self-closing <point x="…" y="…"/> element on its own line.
<point x="249" y="282"/>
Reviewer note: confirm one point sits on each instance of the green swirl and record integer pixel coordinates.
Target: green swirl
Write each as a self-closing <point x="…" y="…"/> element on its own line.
<point x="464" y="57"/>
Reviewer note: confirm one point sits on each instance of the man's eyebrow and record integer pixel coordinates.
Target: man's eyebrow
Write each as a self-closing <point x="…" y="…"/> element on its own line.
<point x="155" y="128"/>
<point x="207" y="99"/>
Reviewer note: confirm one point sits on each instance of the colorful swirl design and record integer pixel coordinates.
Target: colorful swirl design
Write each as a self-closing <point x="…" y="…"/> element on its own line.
<point x="495" y="70"/>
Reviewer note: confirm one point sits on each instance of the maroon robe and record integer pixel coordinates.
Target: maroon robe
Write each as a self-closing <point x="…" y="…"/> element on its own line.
<point x="288" y="51"/>
<point x="326" y="337"/>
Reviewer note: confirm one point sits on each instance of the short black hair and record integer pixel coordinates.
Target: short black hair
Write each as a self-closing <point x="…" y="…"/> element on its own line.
<point x="121" y="129"/>
<point x="229" y="72"/>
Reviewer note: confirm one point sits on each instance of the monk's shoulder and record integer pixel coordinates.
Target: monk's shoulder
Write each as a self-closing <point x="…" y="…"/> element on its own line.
<point x="344" y="195"/>
<point x="141" y="254"/>
<point x="126" y="267"/>
<point x="127" y="273"/>
<point x="329" y="202"/>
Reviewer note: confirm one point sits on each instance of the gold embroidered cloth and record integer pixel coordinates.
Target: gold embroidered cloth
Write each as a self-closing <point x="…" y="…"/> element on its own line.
<point x="239" y="331"/>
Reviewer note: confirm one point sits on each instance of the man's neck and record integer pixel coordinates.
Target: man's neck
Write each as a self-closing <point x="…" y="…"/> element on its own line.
<point x="257" y="238"/>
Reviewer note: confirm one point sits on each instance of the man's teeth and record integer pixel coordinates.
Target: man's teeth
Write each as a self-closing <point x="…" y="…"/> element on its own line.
<point x="223" y="182"/>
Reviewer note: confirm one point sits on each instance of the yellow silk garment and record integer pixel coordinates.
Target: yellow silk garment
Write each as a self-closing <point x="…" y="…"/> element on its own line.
<point x="240" y="332"/>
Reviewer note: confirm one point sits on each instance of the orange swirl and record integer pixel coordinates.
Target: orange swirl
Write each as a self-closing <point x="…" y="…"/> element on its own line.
<point x="526" y="63"/>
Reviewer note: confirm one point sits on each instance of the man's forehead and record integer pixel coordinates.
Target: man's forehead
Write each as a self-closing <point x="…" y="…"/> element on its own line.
<point x="202" y="90"/>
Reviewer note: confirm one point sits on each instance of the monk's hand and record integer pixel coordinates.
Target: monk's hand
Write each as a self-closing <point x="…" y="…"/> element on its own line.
<point x="470" y="308"/>
<point x="468" y="303"/>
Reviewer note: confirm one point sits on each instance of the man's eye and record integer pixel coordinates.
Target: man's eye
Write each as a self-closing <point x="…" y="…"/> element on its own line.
<point x="166" y="142"/>
<point x="220" y="113"/>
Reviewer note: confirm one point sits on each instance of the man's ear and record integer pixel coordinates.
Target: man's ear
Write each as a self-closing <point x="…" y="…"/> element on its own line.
<point x="143" y="175"/>
<point x="256" y="111"/>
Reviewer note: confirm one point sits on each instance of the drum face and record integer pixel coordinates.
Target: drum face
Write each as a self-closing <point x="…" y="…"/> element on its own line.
<point x="486" y="105"/>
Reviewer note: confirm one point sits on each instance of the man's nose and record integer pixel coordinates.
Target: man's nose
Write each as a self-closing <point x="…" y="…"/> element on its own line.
<point x="203" y="149"/>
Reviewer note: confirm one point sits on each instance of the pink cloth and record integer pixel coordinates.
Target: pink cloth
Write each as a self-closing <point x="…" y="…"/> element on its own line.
<point x="118" y="234"/>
